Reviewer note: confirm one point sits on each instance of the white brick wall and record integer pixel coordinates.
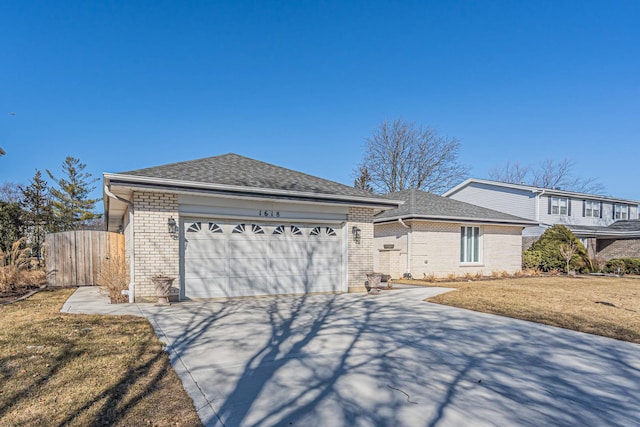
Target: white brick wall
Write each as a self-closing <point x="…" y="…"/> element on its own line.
<point x="436" y="248"/>
<point x="393" y="262"/>
<point x="360" y="255"/>
<point x="156" y="251"/>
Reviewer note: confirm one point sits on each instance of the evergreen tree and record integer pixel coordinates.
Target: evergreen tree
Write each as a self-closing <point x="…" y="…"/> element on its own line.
<point x="38" y="213"/>
<point x="363" y="180"/>
<point x="11" y="225"/>
<point x="71" y="203"/>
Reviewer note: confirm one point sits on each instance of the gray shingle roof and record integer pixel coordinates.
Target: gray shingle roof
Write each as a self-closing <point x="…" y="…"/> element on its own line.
<point x="235" y="170"/>
<point x="626" y="225"/>
<point x="420" y="204"/>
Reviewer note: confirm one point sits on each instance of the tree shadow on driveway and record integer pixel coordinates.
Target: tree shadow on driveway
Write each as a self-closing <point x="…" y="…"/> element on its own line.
<point x="393" y="360"/>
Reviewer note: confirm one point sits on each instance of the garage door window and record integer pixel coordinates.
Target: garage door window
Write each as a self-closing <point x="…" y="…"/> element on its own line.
<point x="296" y="231"/>
<point x="215" y="228"/>
<point x="323" y="231"/>
<point x="194" y="228"/>
<point x="257" y="229"/>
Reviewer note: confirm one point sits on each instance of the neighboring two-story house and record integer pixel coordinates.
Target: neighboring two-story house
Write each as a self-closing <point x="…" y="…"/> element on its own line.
<point x="607" y="226"/>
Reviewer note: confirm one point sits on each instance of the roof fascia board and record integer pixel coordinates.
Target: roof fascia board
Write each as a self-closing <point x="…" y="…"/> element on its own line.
<point x="456" y="219"/>
<point x="534" y="189"/>
<point x="185" y="187"/>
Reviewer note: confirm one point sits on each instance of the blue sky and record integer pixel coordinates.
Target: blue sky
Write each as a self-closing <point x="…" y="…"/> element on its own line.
<point x="301" y="84"/>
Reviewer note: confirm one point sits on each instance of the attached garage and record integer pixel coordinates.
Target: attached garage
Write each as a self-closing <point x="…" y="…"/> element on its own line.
<point x="227" y="259"/>
<point x="229" y="226"/>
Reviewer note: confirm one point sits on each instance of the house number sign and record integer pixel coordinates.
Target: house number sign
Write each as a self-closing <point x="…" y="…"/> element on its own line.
<point x="271" y="214"/>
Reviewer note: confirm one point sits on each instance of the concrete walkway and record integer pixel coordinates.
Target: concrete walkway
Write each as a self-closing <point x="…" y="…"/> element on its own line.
<point x="387" y="360"/>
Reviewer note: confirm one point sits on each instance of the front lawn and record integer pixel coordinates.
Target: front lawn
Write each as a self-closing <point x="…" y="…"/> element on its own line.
<point x="607" y="306"/>
<point x="80" y="370"/>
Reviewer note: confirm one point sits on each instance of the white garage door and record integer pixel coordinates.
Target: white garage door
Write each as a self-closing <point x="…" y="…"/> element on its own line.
<point x="243" y="258"/>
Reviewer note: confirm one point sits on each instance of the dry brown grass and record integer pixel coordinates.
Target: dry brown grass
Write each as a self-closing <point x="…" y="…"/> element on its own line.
<point x="606" y="306"/>
<point x="80" y="370"/>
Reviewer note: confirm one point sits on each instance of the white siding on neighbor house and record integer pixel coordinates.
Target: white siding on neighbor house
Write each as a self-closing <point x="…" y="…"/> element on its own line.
<point x="436" y="248"/>
<point x="509" y="200"/>
<point x="577" y="210"/>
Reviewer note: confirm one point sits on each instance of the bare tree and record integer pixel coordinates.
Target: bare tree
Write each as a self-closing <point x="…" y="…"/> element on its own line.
<point x="567" y="250"/>
<point x="401" y="155"/>
<point x="513" y="173"/>
<point x="547" y="174"/>
<point x="10" y="192"/>
<point x="552" y="174"/>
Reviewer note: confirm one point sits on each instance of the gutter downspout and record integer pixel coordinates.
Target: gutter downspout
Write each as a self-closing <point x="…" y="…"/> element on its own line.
<point x="538" y="198"/>
<point x="401" y="222"/>
<point x="133" y="246"/>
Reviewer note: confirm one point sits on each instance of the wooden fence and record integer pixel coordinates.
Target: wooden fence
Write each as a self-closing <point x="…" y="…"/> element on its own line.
<point x="74" y="257"/>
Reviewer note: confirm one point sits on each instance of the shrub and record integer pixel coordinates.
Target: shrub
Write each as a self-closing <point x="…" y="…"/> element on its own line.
<point x="549" y="244"/>
<point x="622" y="266"/>
<point x="113" y="276"/>
<point x="531" y="259"/>
<point x="429" y="278"/>
<point x="14" y="263"/>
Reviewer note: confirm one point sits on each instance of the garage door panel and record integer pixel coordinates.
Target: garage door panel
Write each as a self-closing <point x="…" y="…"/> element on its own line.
<point x="319" y="265"/>
<point x="323" y="249"/>
<point x="288" y="266"/>
<point x="248" y="267"/>
<point x="251" y="285"/>
<point x="207" y="287"/>
<point x="206" y="267"/>
<point x="248" y="247"/>
<point x="288" y="248"/>
<point x="212" y="248"/>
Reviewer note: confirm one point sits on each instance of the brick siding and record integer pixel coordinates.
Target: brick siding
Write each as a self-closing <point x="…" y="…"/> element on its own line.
<point x="360" y="254"/>
<point x="156" y="251"/>
<point x="622" y="248"/>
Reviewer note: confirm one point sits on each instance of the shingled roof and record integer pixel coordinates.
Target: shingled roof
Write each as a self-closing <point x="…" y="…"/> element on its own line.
<point x="233" y="170"/>
<point x="422" y="205"/>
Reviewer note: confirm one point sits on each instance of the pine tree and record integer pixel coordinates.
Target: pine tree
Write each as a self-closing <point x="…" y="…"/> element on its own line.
<point x="11" y="225"/>
<point x="363" y="180"/>
<point x="38" y="212"/>
<point x="71" y="205"/>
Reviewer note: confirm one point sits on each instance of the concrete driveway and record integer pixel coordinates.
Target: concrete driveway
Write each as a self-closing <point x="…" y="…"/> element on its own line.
<point x="391" y="360"/>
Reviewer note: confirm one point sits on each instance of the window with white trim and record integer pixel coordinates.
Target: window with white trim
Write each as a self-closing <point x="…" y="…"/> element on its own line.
<point x="559" y="205"/>
<point x="470" y="245"/>
<point x="592" y="208"/>
<point x="620" y="211"/>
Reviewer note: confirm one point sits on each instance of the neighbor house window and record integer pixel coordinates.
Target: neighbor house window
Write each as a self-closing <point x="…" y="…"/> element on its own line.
<point x="591" y="208"/>
<point x="470" y="244"/>
<point x="559" y="205"/>
<point x="620" y="211"/>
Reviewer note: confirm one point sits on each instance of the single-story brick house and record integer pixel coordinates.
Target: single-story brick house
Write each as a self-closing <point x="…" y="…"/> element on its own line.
<point x="434" y="235"/>
<point x="233" y="226"/>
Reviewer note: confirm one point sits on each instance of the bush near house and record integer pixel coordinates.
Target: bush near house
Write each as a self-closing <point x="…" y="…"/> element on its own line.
<point x="622" y="266"/>
<point x="547" y="250"/>
<point x="531" y="260"/>
<point x="16" y="271"/>
<point x="113" y="277"/>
